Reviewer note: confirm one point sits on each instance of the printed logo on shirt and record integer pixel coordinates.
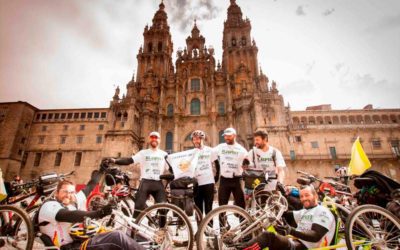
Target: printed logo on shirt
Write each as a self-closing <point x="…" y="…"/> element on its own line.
<point x="153" y="158"/>
<point x="229" y="152"/>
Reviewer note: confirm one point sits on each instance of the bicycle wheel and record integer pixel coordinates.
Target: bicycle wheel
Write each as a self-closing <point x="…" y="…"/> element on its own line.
<point x="198" y="215"/>
<point x="16" y="229"/>
<point x="169" y="224"/>
<point x="222" y="228"/>
<point x="372" y="227"/>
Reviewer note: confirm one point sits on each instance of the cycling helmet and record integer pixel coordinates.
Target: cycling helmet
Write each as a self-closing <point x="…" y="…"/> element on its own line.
<point x="79" y="232"/>
<point x="198" y="133"/>
<point x="122" y="191"/>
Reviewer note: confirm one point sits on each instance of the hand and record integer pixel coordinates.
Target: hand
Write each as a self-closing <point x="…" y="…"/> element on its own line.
<point x="106" y="210"/>
<point x="105" y="164"/>
<point x="283" y="229"/>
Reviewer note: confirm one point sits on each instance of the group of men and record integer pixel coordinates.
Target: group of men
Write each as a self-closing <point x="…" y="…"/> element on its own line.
<point x="230" y="160"/>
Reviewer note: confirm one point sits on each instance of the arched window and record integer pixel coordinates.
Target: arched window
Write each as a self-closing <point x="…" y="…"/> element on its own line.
<point x="188" y="137"/>
<point x="170" y="110"/>
<point x="150" y="47"/>
<point x="159" y="46"/>
<point x="195" y="84"/>
<point x="233" y="42"/>
<point x="195" y="107"/>
<point x="221" y="108"/>
<point x="221" y="137"/>
<point x="169" y="139"/>
<point x="244" y="41"/>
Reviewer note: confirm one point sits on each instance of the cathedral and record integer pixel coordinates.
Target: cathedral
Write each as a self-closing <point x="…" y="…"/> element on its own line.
<point x="197" y="91"/>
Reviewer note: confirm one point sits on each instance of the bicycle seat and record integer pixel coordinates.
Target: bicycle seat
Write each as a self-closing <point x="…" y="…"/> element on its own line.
<point x="303" y="181"/>
<point x="167" y="177"/>
<point x="361" y="182"/>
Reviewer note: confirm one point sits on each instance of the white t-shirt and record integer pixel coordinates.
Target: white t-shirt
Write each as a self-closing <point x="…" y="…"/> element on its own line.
<point x="319" y="215"/>
<point x="204" y="173"/>
<point x="260" y="160"/>
<point x="59" y="231"/>
<point x="230" y="159"/>
<point x="152" y="163"/>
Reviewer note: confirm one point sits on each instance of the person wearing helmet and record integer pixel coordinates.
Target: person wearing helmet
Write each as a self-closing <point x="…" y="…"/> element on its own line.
<point x="204" y="193"/>
<point x="152" y="165"/>
<point x="56" y="218"/>
<point x="231" y="157"/>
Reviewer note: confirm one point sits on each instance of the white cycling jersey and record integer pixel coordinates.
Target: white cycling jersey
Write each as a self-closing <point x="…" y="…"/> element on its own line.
<point x="152" y="163"/>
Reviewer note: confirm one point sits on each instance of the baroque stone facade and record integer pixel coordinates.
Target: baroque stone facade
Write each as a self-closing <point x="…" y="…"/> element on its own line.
<point x="194" y="93"/>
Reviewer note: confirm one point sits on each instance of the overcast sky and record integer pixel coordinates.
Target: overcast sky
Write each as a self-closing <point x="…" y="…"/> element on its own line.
<point x="73" y="53"/>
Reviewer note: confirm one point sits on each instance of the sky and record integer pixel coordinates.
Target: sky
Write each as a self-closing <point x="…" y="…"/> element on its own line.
<point x="73" y="53"/>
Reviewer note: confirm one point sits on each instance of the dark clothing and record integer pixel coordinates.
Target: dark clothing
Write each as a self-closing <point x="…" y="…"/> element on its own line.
<point x="108" y="241"/>
<point x="273" y="241"/>
<point x="73" y="216"/>
<point x="228" y="186"/>
<point x="204" y="196"/>
<point x="146" y="188"/>
<point x="124" y="161"/>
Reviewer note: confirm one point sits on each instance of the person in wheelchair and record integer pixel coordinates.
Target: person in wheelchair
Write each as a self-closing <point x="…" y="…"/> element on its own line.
<point x="57" y="217"/>
<point x="311" y="227"/>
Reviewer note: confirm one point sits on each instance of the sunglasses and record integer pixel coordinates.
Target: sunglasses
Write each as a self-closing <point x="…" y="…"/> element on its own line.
<point x="153" y="137"/>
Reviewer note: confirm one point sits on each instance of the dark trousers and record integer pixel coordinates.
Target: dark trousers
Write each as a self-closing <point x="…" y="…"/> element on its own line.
<point x="106" y="241"/>
<point x="228" y="186"/>
<point x="113" y="241"/>
<point x="204" y="196"/>
<point x="273" y="241"/>
<point x="146" y="188"/>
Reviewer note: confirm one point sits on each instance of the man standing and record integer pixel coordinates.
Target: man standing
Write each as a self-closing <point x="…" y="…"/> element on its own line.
<point x="231" y="157"/>
<point x="268" y="159"/>
<point x="152" y="165"/>
<point x="313" y="227"/>
<point x="204" y="193"/>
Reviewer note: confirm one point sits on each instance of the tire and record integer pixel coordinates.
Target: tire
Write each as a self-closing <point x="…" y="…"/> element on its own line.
<point x="198" y="215"/>
<point x="176" y="221"/>
<point x="373" y="225"/>
<point x="94" y="200"/>
<point x="209" y="238"/>
<point x="13" y="224"/>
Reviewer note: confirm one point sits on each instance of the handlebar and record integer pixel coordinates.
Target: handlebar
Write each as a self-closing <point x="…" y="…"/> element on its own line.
<point x="36" y="181"/>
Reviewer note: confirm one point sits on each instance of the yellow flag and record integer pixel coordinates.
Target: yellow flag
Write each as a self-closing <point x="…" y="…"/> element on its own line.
<point x="359" y="161"/>
<point x="3" y="193"/>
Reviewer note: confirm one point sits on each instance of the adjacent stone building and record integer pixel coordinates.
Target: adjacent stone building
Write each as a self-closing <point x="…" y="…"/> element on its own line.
<point x="195" y="92"/>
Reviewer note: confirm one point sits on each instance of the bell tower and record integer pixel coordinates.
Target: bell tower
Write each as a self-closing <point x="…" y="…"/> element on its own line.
<point x="238" y="48"/>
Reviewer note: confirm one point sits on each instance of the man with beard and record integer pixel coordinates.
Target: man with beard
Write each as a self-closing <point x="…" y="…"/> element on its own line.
<point x="231" y="157"/>
<point x="56" y="216"/>
<point x="152" y="165"/>
<point x="312" y="227"/>
<point x="204" y="193"/>
<point x="267" y="159"/>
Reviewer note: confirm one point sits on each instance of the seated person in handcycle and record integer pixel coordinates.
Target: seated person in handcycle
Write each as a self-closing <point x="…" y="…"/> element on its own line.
<point x="56" y="218"/>
<point x="311" y="227"/>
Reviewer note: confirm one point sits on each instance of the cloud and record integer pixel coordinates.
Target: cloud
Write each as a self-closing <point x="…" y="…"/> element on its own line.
<point x="310" y="67"/>
<point x="183" y="12"/>
<point x="328" y="12"/>
<point x="298" y="86"/>
<point x="385" y="24"/>
<point x="300" y="10"/>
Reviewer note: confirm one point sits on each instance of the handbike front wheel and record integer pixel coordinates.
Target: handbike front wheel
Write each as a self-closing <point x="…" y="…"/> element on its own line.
<point x="372" y="227"/>
<point x="16" y="229"/>
<point x="223" y="228"/>
<point x="168" y="225"/>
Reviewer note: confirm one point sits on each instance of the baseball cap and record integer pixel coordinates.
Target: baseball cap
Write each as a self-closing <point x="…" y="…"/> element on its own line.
<point x="229" y="131"/>
<point x="155" y="133"/>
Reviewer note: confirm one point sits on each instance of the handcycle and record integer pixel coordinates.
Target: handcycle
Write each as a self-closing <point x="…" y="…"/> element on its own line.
<point x="159" y="226"/>
<point x="226" y="227"/>
<point x="11" y="237"/>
